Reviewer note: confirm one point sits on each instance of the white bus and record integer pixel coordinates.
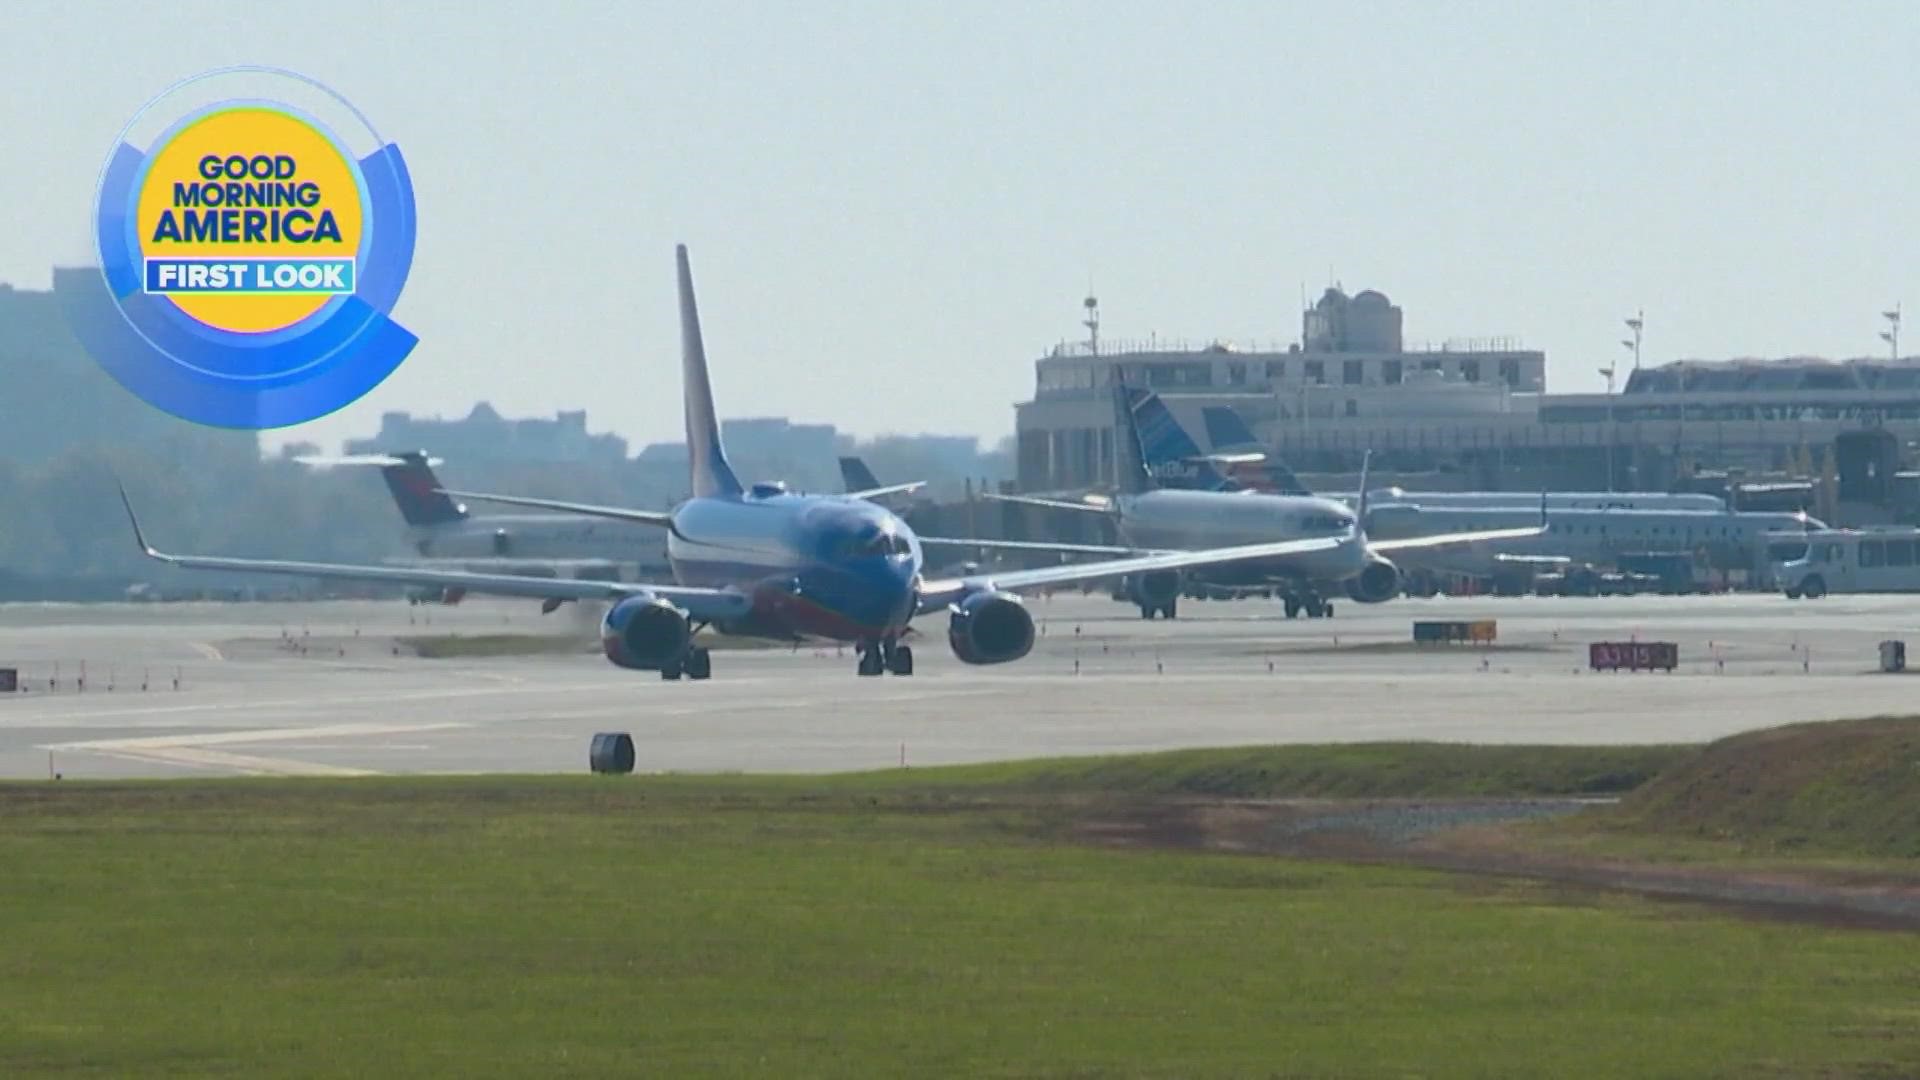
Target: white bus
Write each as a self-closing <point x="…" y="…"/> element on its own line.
<point x="1853" y="561"/>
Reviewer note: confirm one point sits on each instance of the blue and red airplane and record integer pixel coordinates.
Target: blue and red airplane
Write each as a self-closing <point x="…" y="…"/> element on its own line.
<point x="758" y="560"/>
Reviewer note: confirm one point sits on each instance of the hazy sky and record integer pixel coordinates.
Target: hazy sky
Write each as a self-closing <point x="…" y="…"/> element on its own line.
<point x="894" y="207"/>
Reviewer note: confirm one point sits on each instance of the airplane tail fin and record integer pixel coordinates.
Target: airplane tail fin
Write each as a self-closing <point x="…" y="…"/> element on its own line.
<point x="1129" y="459"/>
<point x="856" y="475"/>
<point x="711" y="474"/>
<point x="1226" y="431"/>
<point x="416" y="490"/>
<point x="1170" y="454"/>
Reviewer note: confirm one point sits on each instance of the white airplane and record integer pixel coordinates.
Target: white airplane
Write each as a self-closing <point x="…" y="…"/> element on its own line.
<point x="1584" y="535"/>
<point x="1150" y="517"/>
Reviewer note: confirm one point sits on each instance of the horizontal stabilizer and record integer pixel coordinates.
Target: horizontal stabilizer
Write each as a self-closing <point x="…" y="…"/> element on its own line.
<point x="1102" y="507"/>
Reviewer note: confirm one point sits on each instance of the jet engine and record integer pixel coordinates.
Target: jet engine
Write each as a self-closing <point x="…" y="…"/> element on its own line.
<point x="990" y="628"/>
<point x="644" y="632"/>
<point x="1377" y="583"/>
<point x="1156" y="589"/>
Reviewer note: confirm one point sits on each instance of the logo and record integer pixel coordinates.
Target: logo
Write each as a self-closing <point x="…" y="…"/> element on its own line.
<point x="254" y="233"/>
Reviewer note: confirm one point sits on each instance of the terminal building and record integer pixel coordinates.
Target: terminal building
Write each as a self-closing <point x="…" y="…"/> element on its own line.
<point x="1351" y="368"/>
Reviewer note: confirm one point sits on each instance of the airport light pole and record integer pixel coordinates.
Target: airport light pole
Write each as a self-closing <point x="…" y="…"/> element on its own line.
<point x="1891" y="335"/>
<point x="1608" y="372"/>
<point x="1637" y="324"/>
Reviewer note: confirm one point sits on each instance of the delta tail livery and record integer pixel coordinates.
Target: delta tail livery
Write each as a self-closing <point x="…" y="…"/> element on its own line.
<point x="765" y="562"/>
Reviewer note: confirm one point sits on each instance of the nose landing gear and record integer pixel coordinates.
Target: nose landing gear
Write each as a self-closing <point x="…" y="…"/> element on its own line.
<point x="884" y="655"/>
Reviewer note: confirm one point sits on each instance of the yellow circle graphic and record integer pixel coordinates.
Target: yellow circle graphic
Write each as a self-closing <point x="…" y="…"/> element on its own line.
<point x="249" y="182"/>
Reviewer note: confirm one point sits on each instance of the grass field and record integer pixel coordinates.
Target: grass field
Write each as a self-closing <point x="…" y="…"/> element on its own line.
<point x="907" y="923"/>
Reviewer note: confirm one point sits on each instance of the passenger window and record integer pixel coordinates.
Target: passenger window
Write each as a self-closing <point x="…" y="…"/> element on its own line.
<point x="1899" y="553"/>
<point x="1872" y="553"/>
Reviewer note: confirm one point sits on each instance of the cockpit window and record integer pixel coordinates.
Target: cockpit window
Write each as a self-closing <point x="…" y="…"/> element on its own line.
<point x="871" y="542"/>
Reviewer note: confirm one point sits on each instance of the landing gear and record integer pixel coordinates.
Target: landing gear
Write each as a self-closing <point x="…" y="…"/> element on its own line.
<point x="1166" y="610"/>
<point x="699" y="664"/>
<point x="1313" y="604"/>
<point x="696" y="663"/>
<point x="877" y="657"/>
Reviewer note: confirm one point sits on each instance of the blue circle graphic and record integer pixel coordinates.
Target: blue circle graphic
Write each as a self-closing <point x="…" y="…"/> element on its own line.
<point x="229" y="379"/>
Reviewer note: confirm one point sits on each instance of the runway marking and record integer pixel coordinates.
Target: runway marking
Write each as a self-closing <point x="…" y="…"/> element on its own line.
<point x="309" y="702"/>
<point x="207" y="650"/>
<point x="197" y="749"/>
<point x="222" y="738"/>
<point x="240" y="763"/>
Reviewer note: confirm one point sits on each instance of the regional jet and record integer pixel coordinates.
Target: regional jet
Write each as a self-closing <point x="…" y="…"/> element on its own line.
<point x="759" y="560"/>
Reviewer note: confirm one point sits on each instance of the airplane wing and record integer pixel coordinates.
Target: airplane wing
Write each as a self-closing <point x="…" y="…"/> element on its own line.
<point x="1418" y="543"/>
<point x="938" y="594"/>
<point x="699" y="603"/>
<point x="1413" y="543"/>
<point x="1031" y="545"/>
<point x="890" y="489"/>
<point x="491" y="564"/>
<point x="1103" y="507"/>
<point x="617" y="513"/>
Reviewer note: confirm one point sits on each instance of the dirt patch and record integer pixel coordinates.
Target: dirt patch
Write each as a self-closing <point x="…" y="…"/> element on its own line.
<point x="1472" y="836"/>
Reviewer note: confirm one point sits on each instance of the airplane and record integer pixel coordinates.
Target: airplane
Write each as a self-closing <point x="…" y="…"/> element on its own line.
<point x="444" y="534"/>
<point x="759" y="560"/>
<point x="1589" y="527"/>
<point x="1587" y="535"/>
<point x="1206" y="512"/>
<point x="862" y="484"/>
<point x="1234" y="442"/>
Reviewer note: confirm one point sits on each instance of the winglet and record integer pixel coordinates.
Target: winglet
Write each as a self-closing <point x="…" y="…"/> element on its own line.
<point x="712" y="476"/>
<point x="138" y="537"/>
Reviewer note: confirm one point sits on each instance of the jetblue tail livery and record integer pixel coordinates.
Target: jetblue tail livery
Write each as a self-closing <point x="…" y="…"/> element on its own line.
<point x="762" y="561"/>
<point x="1172" y="459"/>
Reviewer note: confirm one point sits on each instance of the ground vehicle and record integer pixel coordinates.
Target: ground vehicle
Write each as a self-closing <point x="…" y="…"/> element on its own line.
<point x="1853" y="561"/>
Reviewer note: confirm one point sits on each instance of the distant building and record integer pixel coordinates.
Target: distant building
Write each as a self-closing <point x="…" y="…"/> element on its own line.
<point x="54" y="397"/>
<point x="774" y="438"/>
<point x="483" y="435"/>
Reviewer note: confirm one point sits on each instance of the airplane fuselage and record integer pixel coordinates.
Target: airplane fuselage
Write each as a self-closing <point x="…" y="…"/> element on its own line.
<point x="1190" y="520"/>
<point x="815" y="566"/>
<point x="1597" y="536"/>
<point x="537" y="536"/>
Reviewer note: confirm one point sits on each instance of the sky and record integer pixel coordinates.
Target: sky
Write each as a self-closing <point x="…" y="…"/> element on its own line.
<point x="895" y="207"/>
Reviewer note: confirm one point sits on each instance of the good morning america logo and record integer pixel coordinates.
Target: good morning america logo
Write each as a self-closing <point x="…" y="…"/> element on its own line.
<point x="254" y="234"/>
<point x="247" y="201"/>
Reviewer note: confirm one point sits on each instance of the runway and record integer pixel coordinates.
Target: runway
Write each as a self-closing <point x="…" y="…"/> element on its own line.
<point x="322" y="689"/>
